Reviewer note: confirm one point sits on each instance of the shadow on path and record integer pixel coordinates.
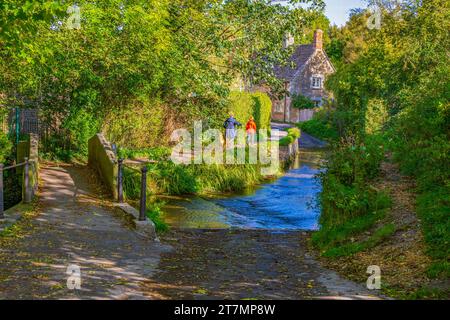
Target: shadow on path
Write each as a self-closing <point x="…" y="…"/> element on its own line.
<point x="74" y="227"/>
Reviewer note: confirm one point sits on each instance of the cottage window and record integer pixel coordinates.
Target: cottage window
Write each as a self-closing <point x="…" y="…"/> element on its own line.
<point x="316" y="82"/>
<point x="278" y="106"/>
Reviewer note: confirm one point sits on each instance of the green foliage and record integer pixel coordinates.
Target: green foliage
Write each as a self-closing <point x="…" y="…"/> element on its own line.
<point x="156" y="153"/>
<point x="376" y="116"/>
<point x="244" y="104"/>
<point x="394" y="80"/>
<point x="131" y="183"/>
<point x="293" y="133"/>
<point x="138" y="125"/>
<point x="331" y="235"/>
<point x="165" y="177"/>
<point x="262" y="109"/>
<point x="349" y="203"/>
<point x="79" y="127"/>
<point x="319" y="128"/>
<point x="301" y="102"/>
<point x="5" y="147"/>
<point x="155" y="214"/>
<point x="433" y="207"/>
<point x="287" y="140"/>
<point x="351" y="248"/>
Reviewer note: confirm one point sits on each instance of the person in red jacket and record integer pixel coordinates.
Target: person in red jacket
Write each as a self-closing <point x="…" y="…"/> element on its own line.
<point x="251" y="131"/>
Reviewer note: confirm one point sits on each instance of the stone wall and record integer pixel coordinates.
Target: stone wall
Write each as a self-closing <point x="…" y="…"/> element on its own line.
<point x="29" y="149"/>
<point x="102" y="158"/>
<point x="288" y="153"/>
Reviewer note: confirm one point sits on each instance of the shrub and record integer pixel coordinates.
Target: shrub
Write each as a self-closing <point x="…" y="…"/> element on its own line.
<point x="319" y="129"/>
<point x="294" y="132"/>
<point x="376" y="116"/>
<point x="348" y="201"/>
<point x="285" y="141"/>
<point x="5" y="147"/>
<point x="140" y="124"/>
<point x="301" y="102"/>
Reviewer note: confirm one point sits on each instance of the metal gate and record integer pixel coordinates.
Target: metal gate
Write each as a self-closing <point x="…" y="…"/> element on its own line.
<point x="21" y="121"/>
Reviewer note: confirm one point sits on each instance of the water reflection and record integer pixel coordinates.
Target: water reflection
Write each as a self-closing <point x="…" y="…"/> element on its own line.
<point x="284" y="204"/>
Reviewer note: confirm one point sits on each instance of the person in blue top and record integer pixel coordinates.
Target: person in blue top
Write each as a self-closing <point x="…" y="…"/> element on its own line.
<point x="230" y="128"/>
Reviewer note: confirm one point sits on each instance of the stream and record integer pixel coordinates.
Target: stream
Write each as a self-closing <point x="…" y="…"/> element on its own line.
<point x="287" y="203"/>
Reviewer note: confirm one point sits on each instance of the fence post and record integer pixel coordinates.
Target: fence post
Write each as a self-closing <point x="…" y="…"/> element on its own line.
<point x="120" y="181"/>
<point x="26" y="182"/>
<point x="143" y="204"/>
<point x="2" y="207"/>
<point x="17" y="126"/>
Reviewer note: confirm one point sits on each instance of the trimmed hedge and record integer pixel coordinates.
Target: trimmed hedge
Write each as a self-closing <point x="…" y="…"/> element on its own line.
<point x="262" y="109"/>
<point x="245" y="104"/>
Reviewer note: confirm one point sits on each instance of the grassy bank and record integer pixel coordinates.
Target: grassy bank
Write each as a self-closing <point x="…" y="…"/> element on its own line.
<point x="169" y="178"/>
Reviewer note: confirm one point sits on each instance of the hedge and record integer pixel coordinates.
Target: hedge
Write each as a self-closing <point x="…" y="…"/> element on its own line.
<point x="293" y="133"/>
<point x="246" y="104"/>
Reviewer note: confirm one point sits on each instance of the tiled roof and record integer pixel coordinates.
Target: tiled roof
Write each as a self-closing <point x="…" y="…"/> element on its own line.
<point x="299" y="58"/>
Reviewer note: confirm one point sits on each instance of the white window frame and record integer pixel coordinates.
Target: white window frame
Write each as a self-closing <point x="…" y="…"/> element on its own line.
<point x="314" y="78"/>
<point x="278" y="107"/>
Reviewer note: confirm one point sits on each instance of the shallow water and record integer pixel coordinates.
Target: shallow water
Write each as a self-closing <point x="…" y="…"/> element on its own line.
<point x="287" y="203"/>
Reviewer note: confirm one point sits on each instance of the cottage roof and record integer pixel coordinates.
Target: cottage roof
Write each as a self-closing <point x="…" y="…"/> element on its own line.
<point x="297" y="60"/>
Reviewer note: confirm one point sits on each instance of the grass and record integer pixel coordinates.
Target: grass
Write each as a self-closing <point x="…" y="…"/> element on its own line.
<point x="157" y="153"/>
<point x="423" y="293"/>
<point x="351" y="248"/>
<point x="155" y="213"/>
<point x="433" y="208"/>
<point x="336" y="235"/>
<point x="169" y="178"/>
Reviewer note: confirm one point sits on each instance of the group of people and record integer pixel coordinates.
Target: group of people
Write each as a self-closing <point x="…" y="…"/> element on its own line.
<point x="230" y="129"/>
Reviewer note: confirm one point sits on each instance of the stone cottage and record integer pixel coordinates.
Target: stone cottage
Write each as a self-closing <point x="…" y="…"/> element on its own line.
<point x="304" y="74"/>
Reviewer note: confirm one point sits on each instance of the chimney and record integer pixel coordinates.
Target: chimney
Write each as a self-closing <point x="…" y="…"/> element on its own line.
<point x="318" y="39"/>
<point x="288" y="41"/>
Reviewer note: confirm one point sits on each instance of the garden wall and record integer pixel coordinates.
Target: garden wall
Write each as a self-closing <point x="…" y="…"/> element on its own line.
<point x="101" y="157"/>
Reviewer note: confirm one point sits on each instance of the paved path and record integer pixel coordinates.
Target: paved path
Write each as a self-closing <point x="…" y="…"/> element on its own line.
<point x="306" y="140"/>
<point x="73" y="227"/>
<point x="245" y="264"/>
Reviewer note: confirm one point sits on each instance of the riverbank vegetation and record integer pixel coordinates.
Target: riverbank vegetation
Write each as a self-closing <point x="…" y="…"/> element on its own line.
<point x="322" y="125"/>
<point x="392" y="98"/>
<point x="292" y="135"/>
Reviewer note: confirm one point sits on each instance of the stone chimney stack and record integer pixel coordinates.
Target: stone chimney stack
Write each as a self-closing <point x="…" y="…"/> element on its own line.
<point x="318" y="39"/>
<point x="288" y="41"/>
